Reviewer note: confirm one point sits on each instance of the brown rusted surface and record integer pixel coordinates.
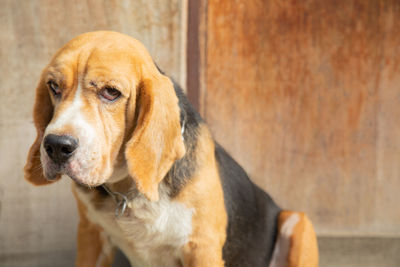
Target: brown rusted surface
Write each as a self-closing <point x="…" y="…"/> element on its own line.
<point x="197" y="52"/>
<point x="305" y="95"/>
<point x="193" y="53"/>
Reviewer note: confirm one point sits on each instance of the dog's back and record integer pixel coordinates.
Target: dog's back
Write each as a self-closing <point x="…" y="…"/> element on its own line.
<point x="252" y="216"/>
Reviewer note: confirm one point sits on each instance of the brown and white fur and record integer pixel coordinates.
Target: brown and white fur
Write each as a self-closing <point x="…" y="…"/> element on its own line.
<point x="133" y="130"/>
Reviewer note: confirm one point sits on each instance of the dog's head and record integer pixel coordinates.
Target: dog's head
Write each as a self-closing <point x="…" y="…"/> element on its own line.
<point x="99" y="102"/>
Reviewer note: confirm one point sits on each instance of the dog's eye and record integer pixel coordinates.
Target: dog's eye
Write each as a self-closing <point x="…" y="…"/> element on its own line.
<point x="110" y="93"/>
<point x="54" y="88"/>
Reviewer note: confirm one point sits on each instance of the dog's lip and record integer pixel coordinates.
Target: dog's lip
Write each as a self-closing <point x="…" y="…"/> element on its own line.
<point x="52" y="174"/>
<point x="54" y="171"/>
<point x="80" y="182"/>
<point x="52" y="178"/>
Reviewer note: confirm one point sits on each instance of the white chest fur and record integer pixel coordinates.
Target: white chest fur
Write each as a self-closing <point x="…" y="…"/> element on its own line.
<point x="150" y="233"/>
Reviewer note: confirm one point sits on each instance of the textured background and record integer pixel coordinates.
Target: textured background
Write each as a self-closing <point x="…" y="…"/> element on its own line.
<point x="38" y="224"/>
<point x="304" y="94"/>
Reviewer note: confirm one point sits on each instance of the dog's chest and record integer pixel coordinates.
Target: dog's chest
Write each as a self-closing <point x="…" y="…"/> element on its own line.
<point x="149" y="233"/>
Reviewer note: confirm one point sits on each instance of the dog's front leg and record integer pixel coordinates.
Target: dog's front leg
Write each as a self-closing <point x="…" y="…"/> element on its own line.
<point x="196" y="255"/>
<point x="94" y="248"/>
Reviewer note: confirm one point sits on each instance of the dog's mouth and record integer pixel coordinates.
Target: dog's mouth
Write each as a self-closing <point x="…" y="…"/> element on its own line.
<point x="73" y="170"/>
<point x="82" y="183"/>
<point x="83" y="167"/>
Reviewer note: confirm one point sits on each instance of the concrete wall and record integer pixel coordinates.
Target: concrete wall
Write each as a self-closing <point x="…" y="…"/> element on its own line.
<point x="38" y="224"/>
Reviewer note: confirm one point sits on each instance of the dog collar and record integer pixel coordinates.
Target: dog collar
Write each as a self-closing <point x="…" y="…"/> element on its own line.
<point x="121" y="200"/>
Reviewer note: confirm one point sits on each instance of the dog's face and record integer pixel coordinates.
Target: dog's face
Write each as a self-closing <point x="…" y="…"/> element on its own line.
<point x="89" y="94"/>
<point x="99" y="102"/>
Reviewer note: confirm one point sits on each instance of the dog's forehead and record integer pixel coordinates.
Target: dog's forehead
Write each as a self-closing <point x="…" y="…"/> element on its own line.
<point x="95" y="62"/>
<point x="110" y="63"/>
<point x="101" y="54"/>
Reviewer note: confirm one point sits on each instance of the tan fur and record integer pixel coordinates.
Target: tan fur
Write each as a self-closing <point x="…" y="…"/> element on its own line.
<point x="156" y="143"/>
<point x="204" y="193"/>
<point x="42" y="114"/>
<point x="92" y="249"/>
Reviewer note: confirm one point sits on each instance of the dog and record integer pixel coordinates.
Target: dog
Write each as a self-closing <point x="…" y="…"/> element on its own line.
<point x="147" y="175"/>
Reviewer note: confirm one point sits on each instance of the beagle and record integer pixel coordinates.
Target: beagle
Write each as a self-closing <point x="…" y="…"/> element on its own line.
<point x="147" y="175"/>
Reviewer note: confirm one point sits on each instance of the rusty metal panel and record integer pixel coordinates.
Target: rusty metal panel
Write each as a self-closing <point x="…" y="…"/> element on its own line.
<point x="40" y="223"/>
<point x="306" y="96"/>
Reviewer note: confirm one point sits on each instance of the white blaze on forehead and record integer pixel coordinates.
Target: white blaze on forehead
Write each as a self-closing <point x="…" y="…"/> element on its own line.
<point x="74" y="117"/>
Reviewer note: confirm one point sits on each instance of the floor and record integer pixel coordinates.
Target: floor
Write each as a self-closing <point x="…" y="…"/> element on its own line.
<point x="334" y="252"/>
<point x="357" y="252"/>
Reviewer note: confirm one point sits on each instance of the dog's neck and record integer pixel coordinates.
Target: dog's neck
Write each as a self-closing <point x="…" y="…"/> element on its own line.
<point x="122" y="189"/>
<point x="120" y="173"/>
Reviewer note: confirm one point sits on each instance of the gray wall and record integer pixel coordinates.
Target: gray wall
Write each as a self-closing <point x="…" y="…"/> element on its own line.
<point x="38" y="224"/>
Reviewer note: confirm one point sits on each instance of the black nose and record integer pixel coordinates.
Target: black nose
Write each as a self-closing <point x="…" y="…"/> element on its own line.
<point x="60" y="147"/>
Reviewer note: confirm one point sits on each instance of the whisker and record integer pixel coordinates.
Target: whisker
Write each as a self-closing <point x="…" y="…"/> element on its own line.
<point x="37" y="169"/>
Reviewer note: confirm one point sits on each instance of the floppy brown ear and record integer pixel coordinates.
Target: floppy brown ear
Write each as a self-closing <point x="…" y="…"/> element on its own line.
<point x="156" y="142"/>
<point x="42" y="114"/>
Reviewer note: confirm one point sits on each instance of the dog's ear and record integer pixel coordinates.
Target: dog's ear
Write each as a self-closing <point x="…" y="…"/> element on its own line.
<point x="156" y="142"/>
<point x="42" y="114"/>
